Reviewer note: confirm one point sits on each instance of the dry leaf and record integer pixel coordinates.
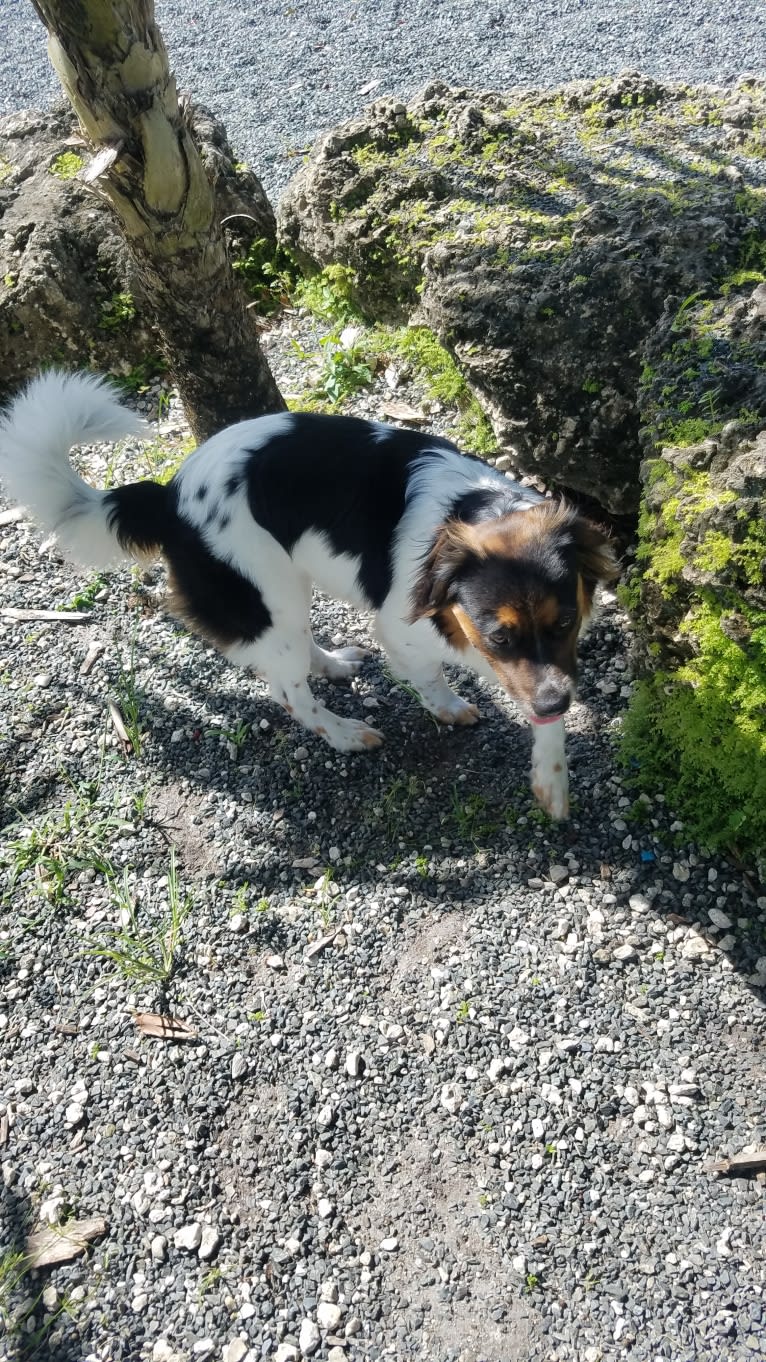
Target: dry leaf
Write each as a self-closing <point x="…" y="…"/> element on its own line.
<point x="163" y="1027"/>
<point x="62" y="1243"/>
<point x="119" y="726"/>
<point x="402" y="411"/>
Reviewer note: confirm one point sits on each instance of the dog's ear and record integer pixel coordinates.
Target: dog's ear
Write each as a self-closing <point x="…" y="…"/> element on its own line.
<point x="434" y="586"/>
<point x="596" y="556"/>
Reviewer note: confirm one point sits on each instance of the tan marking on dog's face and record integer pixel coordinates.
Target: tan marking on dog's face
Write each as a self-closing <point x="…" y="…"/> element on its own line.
<point x="544" y="614"/>
<point x="508" y="617"/>
<point x="584" y="598"/>
<point x="452" y="629"/>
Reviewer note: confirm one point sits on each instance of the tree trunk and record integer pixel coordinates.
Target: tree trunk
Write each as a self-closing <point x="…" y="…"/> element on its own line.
<point x="113" y="65"/>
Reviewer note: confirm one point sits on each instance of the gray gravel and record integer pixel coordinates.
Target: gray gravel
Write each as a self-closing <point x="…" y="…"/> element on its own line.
<point x="280" y="73"/>
<point x="459" y="1075"/>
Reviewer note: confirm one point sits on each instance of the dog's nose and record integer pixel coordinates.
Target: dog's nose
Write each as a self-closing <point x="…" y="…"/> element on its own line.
<point x="551" y="701"/>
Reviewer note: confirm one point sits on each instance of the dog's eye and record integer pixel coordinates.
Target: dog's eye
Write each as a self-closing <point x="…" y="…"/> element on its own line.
<point x="502" y="638"/>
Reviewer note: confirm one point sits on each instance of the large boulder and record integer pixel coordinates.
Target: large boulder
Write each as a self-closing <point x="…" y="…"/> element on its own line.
<point x="541" y="236"/>
<point x="69" y="291"/>
<point x="696" y="726"/>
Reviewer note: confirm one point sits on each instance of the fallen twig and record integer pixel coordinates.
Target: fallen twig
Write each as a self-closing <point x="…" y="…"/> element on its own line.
<point x="119" y="726"/>
<point x="9" y="612"/>
<point x="740" y="1164"/>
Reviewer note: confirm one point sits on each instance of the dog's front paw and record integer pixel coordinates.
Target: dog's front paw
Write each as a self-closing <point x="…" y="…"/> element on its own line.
<point x="550" y="786"/>
<point x="458" y="712"/>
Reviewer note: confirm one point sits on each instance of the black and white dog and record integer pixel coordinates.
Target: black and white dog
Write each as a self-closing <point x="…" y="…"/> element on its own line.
<point x="458" y="563"/>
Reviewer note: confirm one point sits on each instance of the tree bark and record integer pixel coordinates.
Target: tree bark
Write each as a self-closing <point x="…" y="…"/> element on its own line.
<point x="112" y="62"/>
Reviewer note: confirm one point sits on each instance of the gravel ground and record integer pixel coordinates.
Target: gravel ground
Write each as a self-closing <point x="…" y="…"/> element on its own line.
<point x="280" y="73"/>
<point x="458" y="1075"/>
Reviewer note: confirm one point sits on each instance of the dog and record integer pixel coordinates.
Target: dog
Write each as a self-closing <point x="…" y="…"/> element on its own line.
<point x="459" y="563"/>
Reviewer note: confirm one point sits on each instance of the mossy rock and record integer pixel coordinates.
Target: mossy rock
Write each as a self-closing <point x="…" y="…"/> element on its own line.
<point x="696" y="726"/>
<point x="541" y="235"/>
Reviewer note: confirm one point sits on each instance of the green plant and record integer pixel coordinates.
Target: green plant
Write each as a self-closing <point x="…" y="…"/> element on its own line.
<point x="329" y="295"/>
<point x="422" y="866"/>
<point x="117" y="312"/>
<point x="128" y="700"/>
<point x="532" y="1282"/>
<point x="61" y="845"/>
<point x="145" y="954"/>
<point x="469" y="813"/>
<point x="85" y="597"/>
<point x="345" y="371"/>
<point x="66" y="166"/>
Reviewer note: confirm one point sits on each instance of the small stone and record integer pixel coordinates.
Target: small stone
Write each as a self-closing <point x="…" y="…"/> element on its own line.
<point x="496" y="1069"/>
<point x="625" y="952"/>
<point x="139" y="1303"/>
<point x="238" y="923"/>
<point x="450" y="1098"/>
<point x="275" y="962"/>
<point x="286" y="1353"/>
<point x="329" y="1292"/>
<point x="159" y="1248"/>
<point x="301" y="754"/>
<point x="74" y="1114"/>
<point x="238" y="1065"/>
<point x="681" y="872"/>
<point x="189" y="1237"/>
<point x="336" y="1355"/>
<point x="325" y="1208"/>
<point x="325" y="1117"/>
<point x="309" y="1337"/>
<point x="695" y="947"/>
<point x="234" y="1351"/>
<point x="389" y="1245"/>
<point x="719" y="918"/>
<point x="323" y="1158"/>
<point x="559" y="874"/>
<point x="163" y="1351"/>
<point x="354" y="1063"/>
<point x="329" y="1315"/>
<point x="503" y="463"/>
<point x="50" y="1298"/>
<point x="210" y="1242"/>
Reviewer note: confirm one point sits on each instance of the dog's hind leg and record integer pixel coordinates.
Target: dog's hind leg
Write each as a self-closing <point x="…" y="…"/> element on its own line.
<point x="284" y="663"/>
<point x="340" y="664"/>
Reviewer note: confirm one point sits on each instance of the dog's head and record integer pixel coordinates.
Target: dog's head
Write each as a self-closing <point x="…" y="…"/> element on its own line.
<point x="518" y="587"/>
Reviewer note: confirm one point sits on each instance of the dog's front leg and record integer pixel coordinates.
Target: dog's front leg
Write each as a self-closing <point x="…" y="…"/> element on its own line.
<point x="550" y="778"/>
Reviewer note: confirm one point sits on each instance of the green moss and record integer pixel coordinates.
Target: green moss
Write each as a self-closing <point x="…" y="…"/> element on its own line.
<point x="700" y="734"/>
<point x="5" y="169"/>
<point x="66" y="166"/>
<point x="691" y="431"/>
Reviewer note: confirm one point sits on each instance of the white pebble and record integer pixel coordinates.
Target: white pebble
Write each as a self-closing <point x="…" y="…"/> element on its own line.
<point x="189" y="1237"/>
<point x="309" y="1337"/>
<point x="329" y="1315"/>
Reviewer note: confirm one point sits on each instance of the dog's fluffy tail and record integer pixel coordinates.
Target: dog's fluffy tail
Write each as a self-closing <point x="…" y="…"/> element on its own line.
<point x="54" y="412"/>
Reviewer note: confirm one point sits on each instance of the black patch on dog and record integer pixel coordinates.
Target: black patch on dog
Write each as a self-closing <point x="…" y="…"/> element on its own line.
<point x="232" y="484"/>
<point x="201" y="491"/>
<point x="208" y="594"/>
<point x="346" y="479"/>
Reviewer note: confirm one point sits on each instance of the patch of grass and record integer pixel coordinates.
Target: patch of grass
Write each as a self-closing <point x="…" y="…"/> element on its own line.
<point x="63" y="844"/>
<point x="145" y="952"/>
<point x="398" y="802"/>
<point x="66" y="166"/>
<point x="128" y="701"/>
<point x="470" y="816"/>
<point x="329" y="295"/>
